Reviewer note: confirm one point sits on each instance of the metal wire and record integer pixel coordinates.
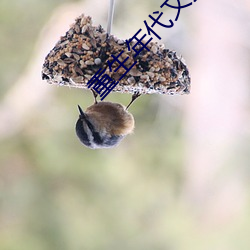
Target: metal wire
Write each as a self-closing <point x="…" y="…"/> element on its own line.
<point x="110" y="16"/>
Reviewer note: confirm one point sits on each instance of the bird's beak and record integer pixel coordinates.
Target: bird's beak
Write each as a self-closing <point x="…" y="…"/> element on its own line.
<point x="82" y="115"/>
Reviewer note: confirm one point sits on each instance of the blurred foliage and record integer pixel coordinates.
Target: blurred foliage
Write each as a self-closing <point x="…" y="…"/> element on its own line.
<point x="20" y="23"/>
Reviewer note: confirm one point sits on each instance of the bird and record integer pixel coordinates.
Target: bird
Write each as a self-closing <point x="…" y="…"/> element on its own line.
<point x="104" y="124"/>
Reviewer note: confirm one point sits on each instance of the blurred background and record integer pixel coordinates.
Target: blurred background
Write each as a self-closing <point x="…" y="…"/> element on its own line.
<point x="180" y="182"/>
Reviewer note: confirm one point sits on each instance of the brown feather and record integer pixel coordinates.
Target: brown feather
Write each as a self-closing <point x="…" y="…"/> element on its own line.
<point x="111" y="117"/>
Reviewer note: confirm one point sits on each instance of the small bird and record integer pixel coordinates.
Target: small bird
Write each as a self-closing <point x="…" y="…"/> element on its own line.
<point x="104" y="124"/>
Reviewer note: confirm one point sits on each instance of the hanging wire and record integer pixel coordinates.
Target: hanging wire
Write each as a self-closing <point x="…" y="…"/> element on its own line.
<point x="110" y="16"/>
